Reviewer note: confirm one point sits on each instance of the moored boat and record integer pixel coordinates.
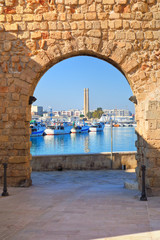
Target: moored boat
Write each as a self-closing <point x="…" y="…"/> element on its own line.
<point x="37" y="129"/>
<point x="58" y="129"/>
<point x="107" y="125"/>
<point x="85" y="128"/>
<point x="76" y="129"/>
<point x="116" y="125"/>
<point x="98" y="127"/>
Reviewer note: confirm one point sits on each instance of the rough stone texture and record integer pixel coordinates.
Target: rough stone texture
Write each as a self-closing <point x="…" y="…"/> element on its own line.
<point x="35" y="35"/>
<point x="84" y="161"/>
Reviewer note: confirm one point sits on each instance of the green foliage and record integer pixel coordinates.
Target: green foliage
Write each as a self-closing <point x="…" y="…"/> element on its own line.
<point x="97" y="113"/>
<point x="89" y="115"/>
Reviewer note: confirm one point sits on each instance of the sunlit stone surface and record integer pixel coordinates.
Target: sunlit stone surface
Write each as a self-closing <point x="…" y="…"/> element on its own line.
<point x="78" y="205"/>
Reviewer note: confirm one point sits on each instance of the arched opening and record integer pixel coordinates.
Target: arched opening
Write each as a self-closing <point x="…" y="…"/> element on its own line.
<point x="63" y="86"/>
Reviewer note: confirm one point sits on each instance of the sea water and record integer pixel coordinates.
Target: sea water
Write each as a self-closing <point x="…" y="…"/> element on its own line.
<point x="93" y="142"/>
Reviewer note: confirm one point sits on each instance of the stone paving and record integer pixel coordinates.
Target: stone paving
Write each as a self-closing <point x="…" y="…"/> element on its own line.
<point x="78" y="205"/>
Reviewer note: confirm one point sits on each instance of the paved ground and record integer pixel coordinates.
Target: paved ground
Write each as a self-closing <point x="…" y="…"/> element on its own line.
<point x="78" y="205"/>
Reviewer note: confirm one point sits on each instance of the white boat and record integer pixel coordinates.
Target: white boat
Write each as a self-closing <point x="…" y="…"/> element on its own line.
<point x="37" y="129"/>
<point x="98" y="127"/>
<point x="107" y="125"/>
<point x="127" y="125"/>
<point x="58" y="130"/>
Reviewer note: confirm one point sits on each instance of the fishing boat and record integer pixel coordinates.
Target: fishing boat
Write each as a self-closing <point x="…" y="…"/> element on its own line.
<point x="63" y="128"/>
<point x="85" y="128"/>
<point x="37" y="129"/>
<point x="116" y="125"/>
<point x="107" y="124"/>
<point x="76" y="129"/>
<point x="97" y="127"/>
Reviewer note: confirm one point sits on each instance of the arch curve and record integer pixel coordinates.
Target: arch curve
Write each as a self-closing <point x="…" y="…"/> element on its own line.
<point x="42" y="62"/>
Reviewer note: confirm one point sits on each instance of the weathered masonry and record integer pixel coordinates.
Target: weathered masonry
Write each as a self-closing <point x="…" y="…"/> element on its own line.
<point x="36" y="34"/>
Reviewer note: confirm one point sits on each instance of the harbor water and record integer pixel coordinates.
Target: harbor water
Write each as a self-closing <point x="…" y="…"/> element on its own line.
<point x="93" y="142"/>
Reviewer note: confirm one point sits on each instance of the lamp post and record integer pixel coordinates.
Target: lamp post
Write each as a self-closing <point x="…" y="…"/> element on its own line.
<point x="111" y="144"/>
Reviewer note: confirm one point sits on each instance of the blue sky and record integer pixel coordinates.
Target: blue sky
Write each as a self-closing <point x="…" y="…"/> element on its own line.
<point x="62" y="86"/>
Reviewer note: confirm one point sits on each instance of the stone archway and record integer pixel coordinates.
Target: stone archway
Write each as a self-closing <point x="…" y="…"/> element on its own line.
<point x="35" y="35"/>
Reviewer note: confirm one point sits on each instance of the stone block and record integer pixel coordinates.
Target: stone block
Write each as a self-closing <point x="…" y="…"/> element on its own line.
<point x="2" y="18"/>
<point x="114" y="15"/>
<point x="7" y="46"/>
<point x="148" y="35"/>
<point x="120" y="35"/>
<point x="56" y="35"/>
<point x="3" y="138"/>
<point x="153" y="105"/>
<point x="102" y="16"/>
<point x="130" y="35"/>
<point x="52" y="25"/>
<point x="17" y="17"/>
<point x="49" y="16"/>
<point x="77" y="16"/>
<point x="151" y="115"/>
<point x="90" y="16"/>
<point x="3" y="89"/>
<point x="130" y="65"/>
<point x="82" y="2"/>
<point x="36" y="35"/>
<point x="66" y="35"/>
<point x="9" y="3"/>
<point x="104" y="24"/>
<point x="20" y="146"/>
<point x="11" y="27"/>
<point x="121" y="1"/>
<point x="108" y="2"/>
<point x="94" y="33"/>
<point x="118" y="24"/>
<point x="18" y="159"/>
<point x="71" y="2"/>
<point x="151" y="124"/>
<point x="153" y="134"/>
<point x="28" y="17"/>
<point x="140" y="35"/>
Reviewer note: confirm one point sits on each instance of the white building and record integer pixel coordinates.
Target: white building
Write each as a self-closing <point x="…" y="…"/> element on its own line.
<point x="117" y="112"/>
<point x="37" y="110"/>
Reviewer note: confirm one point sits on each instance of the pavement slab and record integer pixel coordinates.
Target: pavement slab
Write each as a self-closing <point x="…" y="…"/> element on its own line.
<point x="79" y="205"/>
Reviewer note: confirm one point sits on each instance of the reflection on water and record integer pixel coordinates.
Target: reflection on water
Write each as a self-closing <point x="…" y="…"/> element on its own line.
<point x="123" y="140"/>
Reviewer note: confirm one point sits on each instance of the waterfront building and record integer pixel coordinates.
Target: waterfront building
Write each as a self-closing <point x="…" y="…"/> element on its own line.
<point x="117" y="112"/>
<point x="36" y="110"/>
<point x="117" y="115"/>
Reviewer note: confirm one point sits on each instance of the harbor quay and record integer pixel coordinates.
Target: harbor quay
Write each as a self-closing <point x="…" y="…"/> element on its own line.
<point x="97" y="161"/>
<point x="79" y="205"/>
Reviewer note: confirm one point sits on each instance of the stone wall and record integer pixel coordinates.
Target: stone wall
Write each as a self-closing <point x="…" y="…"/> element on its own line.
<point x="36" y="34"/>
<point x="84" y="161"/>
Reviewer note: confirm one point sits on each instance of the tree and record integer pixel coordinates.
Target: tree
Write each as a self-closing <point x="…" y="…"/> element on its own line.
<point x="97" y="113"/>
<point x="89" y="115"/>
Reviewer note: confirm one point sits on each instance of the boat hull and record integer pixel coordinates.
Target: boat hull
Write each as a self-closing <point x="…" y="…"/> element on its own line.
<point x="36" y="134"/>
<point x="73" y="130"/>
<point x="85" y="129"/>
<point x="91" y="129"/>
<point x="66" y="130"/>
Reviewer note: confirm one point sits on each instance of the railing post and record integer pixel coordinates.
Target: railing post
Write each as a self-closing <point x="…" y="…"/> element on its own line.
<point x="143" y="196"/>
<point x="5" y="193"/>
